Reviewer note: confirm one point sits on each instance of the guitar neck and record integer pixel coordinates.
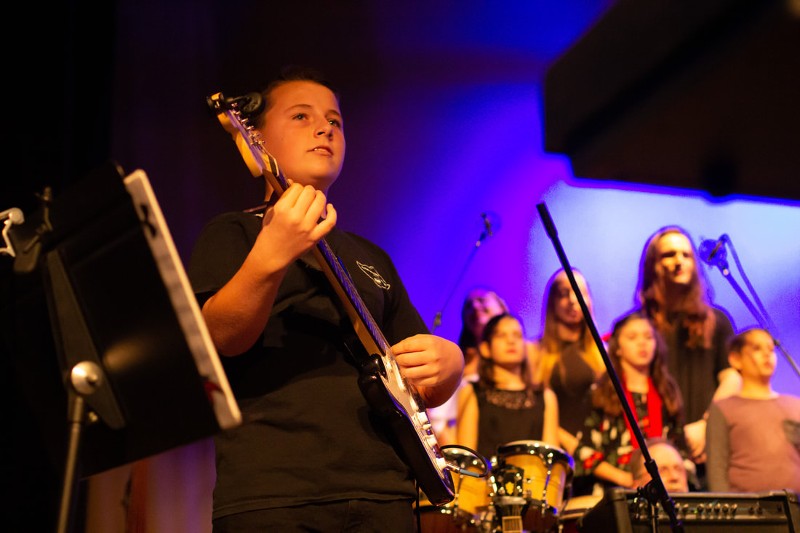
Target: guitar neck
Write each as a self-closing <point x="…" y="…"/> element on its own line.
<point x="367" y="330"/>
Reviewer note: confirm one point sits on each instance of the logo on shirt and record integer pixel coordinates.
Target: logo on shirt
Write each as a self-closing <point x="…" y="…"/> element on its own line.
<point x="374" y="275"/>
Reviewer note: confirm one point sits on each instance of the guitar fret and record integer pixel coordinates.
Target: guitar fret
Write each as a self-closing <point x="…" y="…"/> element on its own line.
<point x="355" y="299"/>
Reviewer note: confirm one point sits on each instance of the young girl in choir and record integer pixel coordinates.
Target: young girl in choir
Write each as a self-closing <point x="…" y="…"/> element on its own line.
<point x="566" y="357"/>
<point x="480" y="305"/>
<point x="504" y="405"/>
<point x="638" y="357"/>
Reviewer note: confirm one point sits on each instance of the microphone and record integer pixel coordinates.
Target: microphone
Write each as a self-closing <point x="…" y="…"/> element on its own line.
<point x="487" y="224"/>
<point x="488" y="227"/>
<point x="713" y="252"/>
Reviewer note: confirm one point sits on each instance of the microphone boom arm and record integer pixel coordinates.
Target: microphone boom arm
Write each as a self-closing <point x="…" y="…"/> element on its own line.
<point x="485" y="234"/>
<point x="722" y="264"/>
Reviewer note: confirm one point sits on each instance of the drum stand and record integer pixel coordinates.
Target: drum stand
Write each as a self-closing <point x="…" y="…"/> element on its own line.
<point x="509" y="503"/>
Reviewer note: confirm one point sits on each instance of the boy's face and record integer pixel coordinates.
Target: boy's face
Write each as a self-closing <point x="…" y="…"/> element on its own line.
<point x="757" y="359"/>
<point x="303" y="130"/>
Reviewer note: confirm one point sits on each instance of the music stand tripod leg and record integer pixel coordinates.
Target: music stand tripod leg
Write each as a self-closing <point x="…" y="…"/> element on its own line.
<point x="76" y="420"/>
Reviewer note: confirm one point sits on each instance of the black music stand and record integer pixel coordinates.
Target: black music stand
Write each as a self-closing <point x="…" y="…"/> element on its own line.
<point x="110" y="352"/>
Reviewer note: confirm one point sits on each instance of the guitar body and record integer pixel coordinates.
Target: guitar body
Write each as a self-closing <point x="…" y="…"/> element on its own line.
<point x="412" y="434"/>
<point x="381" y="381"/>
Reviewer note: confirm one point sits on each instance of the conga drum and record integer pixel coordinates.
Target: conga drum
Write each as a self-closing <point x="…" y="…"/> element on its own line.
<point x="546" y="480"/>
<point x="470" y="502"/>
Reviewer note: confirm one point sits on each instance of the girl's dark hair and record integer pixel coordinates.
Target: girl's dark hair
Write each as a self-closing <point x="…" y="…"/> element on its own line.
<point x="738" y="341"/>
<point x="467" y="339"/>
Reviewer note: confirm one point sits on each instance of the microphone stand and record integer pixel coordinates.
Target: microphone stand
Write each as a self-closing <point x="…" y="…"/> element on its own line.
<point x="719" y="260"/>
<point x="486" y="233"/>
<point x="654" y="491"/>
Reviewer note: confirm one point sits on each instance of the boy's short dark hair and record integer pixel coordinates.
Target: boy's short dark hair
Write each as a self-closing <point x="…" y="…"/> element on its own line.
<point x="288" y="73"/>
<point x="737" y="342"/>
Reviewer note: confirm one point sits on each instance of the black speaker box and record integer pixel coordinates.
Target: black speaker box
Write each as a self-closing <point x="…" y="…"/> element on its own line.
<point x="626" y="511"/>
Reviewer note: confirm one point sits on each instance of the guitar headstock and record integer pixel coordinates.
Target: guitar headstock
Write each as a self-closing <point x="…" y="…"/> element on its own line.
<point x="230" y="113"/>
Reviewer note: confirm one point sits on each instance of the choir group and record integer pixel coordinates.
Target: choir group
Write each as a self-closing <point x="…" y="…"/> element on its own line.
<point x="699" y="390"/>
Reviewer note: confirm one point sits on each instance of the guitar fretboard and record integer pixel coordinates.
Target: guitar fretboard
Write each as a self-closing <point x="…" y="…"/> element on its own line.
<point x="343" y="276"/>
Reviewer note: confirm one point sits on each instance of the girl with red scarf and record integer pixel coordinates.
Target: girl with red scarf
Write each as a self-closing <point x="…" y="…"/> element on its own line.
<point x="639" y="357"/>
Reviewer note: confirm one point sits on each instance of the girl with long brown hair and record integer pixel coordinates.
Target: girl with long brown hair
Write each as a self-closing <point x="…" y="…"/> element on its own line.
<point x="673" y="294"/>
<point x="638" y="356"/>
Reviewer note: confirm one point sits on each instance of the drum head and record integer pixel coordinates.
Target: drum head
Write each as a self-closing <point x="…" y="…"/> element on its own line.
<point x="535" y="447"/>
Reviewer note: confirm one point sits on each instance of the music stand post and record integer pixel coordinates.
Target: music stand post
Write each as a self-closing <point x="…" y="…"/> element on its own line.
<point x="85" y="382"/>
<point x="654" y="491"/>
<point x="139" y="373"/>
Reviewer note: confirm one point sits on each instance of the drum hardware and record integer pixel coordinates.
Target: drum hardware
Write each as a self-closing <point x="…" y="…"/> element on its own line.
<point x="523" y="489"/>
<point x="509" y="499"/>
<point x="470" y="506"/>
<point x="470" y="501"/>
<point x="547" y="479"/>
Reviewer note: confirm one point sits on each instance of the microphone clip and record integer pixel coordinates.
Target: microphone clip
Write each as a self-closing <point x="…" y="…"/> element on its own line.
<point x="10" y="217"/>
<point x="713" y="253"/>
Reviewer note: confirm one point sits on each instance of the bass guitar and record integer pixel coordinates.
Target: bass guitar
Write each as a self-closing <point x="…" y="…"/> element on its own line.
<point x="381" y="382"/>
